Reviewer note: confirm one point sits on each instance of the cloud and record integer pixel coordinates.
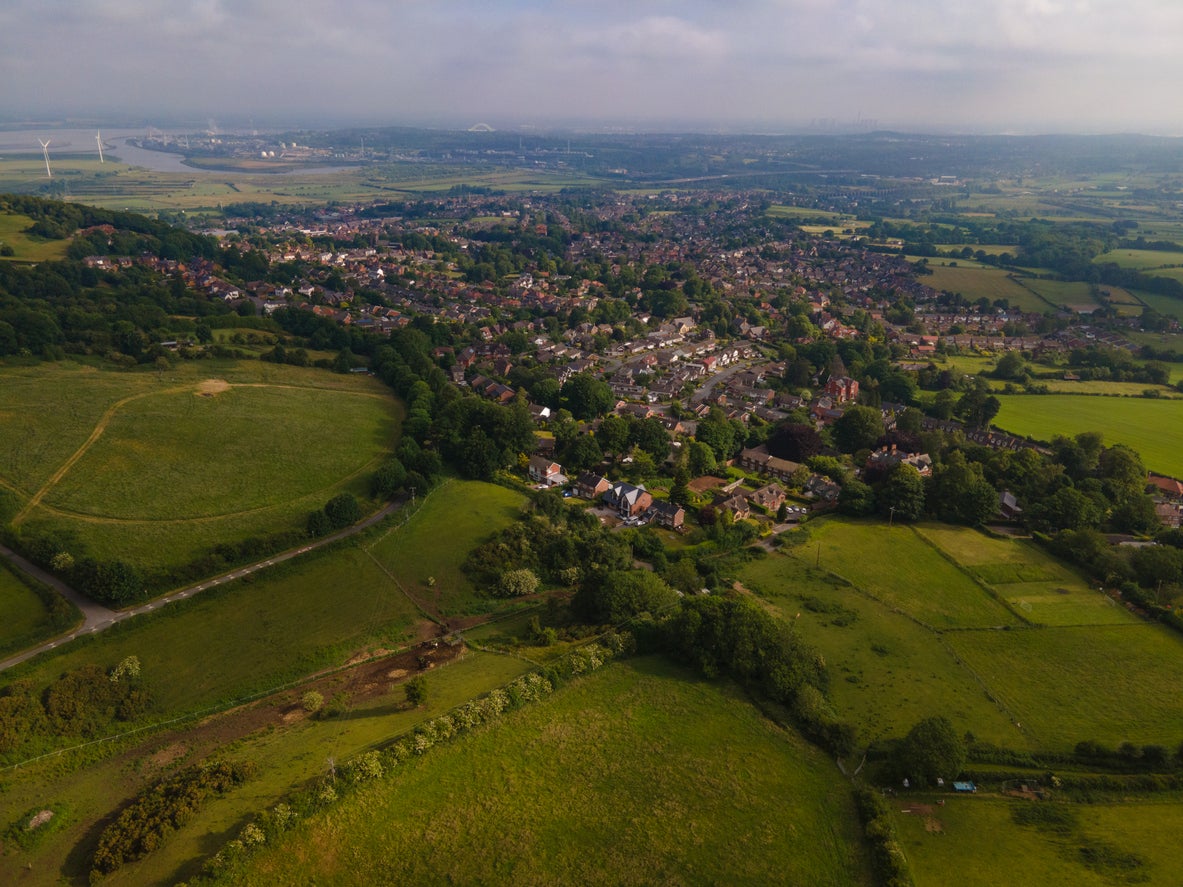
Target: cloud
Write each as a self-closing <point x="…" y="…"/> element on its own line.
<point x="1001" y="63"/>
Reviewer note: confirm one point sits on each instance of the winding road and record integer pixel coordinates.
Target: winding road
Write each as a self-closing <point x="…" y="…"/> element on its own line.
<point x="98" y="618"/>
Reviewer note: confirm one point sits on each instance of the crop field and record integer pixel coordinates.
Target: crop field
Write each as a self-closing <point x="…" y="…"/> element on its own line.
<point x="1152" y="427"/>
<point x="1068" y="684"/>
<point x="159" y="467"/>
<point x="289" y="749"/>
<point x="638" y="774"/>
<point x="942" y="839"/>
<point x="892" y="563"/>
<point x="1037" y="585"/>
<point x="984" y="283"/>
<point x="26" y="248"/>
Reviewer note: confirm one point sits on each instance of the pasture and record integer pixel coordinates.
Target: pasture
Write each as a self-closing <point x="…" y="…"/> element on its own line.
<point x="24" y="618"/>
<point x="288" y="748"/>
<point x="1068" y="684"/>
<point x="1152" y="427"/>
<point x="1140" y="259"/>
<point x="26" y="248"/>
<point x="984" y="283"/>
<point x="950" y="838"/>
<point x="637" y="774"/>
<point x="157" y="468"/>
<point x="891" y="563"/>
<point x="887" y="671"/>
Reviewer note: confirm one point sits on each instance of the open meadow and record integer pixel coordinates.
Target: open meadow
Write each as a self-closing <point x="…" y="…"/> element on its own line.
<point x="637" y="774"/>
<point x="24" y="617"/>
<point x="1153" y="427"/>
<point x="984" y="283"/>
<point x="158" y="467"/>
<point x="1138" y="837"/>
<point x="1074" y="662"/>
<point x="24" y="247"/>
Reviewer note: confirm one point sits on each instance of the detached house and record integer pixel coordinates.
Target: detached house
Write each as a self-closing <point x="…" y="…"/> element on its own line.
<point x="544" y="471"/>
<point x="629" y="501"/>
<point x="591" y="486"/>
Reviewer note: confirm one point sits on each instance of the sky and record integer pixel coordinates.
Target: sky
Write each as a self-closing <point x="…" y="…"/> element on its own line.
<point x="730" y="65"/>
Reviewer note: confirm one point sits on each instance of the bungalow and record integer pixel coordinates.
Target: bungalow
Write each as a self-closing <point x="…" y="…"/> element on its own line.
<point x="591" y="486"/>
<point x="629" y="501"/>
<point x="669" y="515"/>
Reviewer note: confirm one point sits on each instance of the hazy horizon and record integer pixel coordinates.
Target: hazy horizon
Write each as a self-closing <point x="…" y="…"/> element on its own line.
<point x="1009" y="66"/>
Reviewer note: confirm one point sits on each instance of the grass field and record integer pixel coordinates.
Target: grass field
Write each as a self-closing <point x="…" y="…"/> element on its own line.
<point x="988" y="283"/>
<point x="156" y="468"/>
<point x="887" y="671"/>
<point x="664" y="780"/>
<point x="26" y="248"/>
<point x="1040" y="587"/>
<point x="1103" y="682"/>
<point x="1140" y="259"/>
<point x="951" y="840"/>
<point x="288" y="751"/>
<point x="892" y="563"/>
<point x="1061" y="293"/>
<point x="1152" y="427"/>
<point x="24" y="618"/>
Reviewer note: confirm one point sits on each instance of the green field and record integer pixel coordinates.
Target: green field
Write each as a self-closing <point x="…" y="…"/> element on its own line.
<point x="1068" y="684"/>
<point x="26" y="248"/>
<point x="892" y="563"/>
<point x="1152" y="427"/>
<point x="1058" y="293"/>
<point x="638" y="774"/>
<point x="1140" y="259"/>
<point x="984" y="283"/>
<point x="24" y="618"/>
<point x="157" y="468"/>
<point x="950" y="839"/>
<point x="289" y="750"/>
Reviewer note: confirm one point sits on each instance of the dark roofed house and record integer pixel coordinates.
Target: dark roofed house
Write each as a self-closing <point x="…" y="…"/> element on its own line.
<point x="628" y="500"/>
<point x="736" y="505"/>
<point x="591" y="486"/>
<point x="669" y="515"/>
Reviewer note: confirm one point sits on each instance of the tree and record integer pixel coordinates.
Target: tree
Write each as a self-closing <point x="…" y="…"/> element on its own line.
<point x="613" y="434"/>
<point x="581" y="454"/>
<point x="622" y="594"/>
<point x="901" y="497"/>
<point x="586" y="396"/>
<point x="416" y="691"/>
<point x="856" y="499"/>
<point x="932" y="750"/>
<point x="701" y="459"/>
<point x="342" y="510"/>
<point x="388" y="479"/>
<point x="858" y="428"/>
<point x="515" y="583"/>
<point x="795" y="442"/>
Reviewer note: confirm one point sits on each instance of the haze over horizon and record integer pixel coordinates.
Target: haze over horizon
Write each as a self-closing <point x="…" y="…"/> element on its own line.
<point x="767" y="65"/>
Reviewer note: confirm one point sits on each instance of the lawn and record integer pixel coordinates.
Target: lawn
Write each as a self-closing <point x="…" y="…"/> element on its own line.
<point x="897" y="566"/>
<point x="1152" y="427"/>
<point x="638" y="774"/>
<point x="1110" y="683"/>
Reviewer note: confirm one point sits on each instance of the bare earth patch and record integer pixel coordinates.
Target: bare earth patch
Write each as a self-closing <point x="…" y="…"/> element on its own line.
<point x="212" y="387"/>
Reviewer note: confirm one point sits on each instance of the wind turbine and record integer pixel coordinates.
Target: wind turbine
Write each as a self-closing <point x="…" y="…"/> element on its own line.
<point x="45" y="151"/>
<point x="99" y="138"/>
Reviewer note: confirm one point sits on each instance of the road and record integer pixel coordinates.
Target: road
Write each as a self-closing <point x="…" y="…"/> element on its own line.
<point x="96" y="617"/>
